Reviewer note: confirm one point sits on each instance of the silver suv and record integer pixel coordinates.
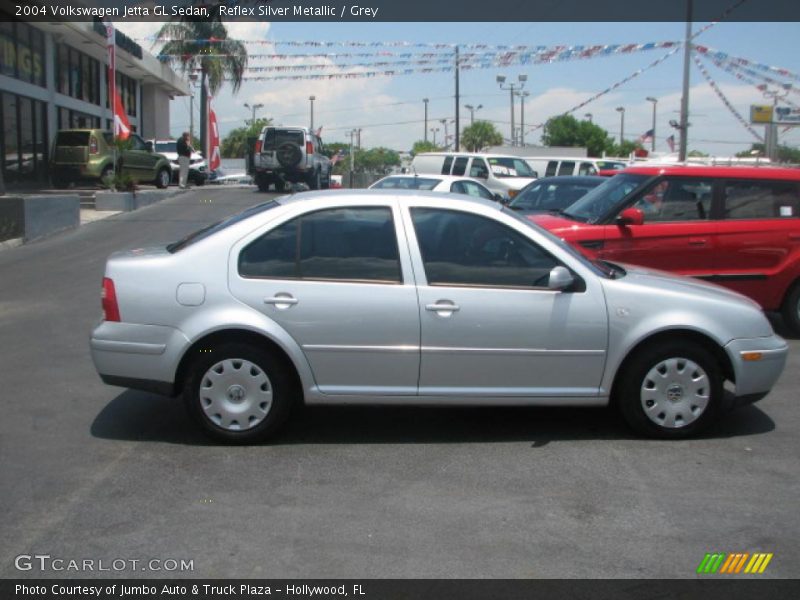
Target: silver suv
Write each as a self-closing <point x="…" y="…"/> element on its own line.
<point x="290" y="155"/>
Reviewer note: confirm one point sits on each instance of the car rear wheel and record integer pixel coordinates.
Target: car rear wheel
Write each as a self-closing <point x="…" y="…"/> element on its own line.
<point x="263" y="183"/>
<point x="791" y="309"/>
<point x="163" y="178"/>
<point x="238" y="393"/>
<point x="315" y="182"/>
<point x="670" y="390"/>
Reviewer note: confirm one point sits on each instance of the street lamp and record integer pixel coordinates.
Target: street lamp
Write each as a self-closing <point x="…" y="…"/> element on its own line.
<point x="588" y="117"/>
<point x="653" y="130"/>
<point x="254" y="108"/>
<point x="434" y="130"/>
<point x="472" y="110"/>
<point x="425" y="130"/>
<point x="522" y="96"/>
<point x="311" y="99"/>
<point x="621" y="111"/>
<point x="501" y="79"/>
<point x="192" y="81"/>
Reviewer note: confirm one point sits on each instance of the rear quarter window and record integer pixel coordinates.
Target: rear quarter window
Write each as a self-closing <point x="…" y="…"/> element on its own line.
<point x="273" y="138"/>
<point x="72" y="138"/>
<point x="760" y="199"/>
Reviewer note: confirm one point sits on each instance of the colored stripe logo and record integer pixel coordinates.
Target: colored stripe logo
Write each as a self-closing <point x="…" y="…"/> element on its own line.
<point x="734" y="563"/>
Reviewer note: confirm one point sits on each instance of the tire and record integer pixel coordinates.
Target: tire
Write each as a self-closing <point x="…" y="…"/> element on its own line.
<point x="791" y="309"/>
<point x="315" y="182"/>
<point x="671" y="390"/>
<point x="239" y="393"/>
<point x="106" y="173"/>
<point x="326" y="183"/>
<point x="163" y="178"/>
<point x="199" y="180"/>
<point x="263" y="183"/>
<point x="289" y="155"/>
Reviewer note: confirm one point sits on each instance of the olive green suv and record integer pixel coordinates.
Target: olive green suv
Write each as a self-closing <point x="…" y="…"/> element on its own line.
<point x="88" y="154"/>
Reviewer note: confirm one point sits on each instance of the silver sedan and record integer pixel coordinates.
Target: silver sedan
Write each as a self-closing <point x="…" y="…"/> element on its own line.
<point x="387" y="297"/>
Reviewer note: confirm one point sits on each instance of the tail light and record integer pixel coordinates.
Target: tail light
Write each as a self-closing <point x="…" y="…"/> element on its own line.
<point x="109" y="296"/>
<point x="309" y="148"/>
<point x="93" y="145"/>
<point x="258" y="146"/>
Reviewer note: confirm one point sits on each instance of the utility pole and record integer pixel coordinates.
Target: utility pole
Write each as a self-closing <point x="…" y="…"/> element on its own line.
<point x="653" y="140"/>
<point x="358" y="138"/>
<point x="458" y="102"/>
<point x="310" y="99"/>
<point x="446" y="136"/>
<point x="511" y="87"/>
<point x="687" y="51"/>
<point x="522" y="96"/>
<point x="352" y="158"/>
<point x="425" y="100"/>
<point x="621" y="111"/>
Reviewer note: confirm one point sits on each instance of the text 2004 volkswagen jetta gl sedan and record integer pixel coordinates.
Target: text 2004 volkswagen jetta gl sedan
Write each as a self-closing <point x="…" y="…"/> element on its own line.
<point x="403" y="298"/>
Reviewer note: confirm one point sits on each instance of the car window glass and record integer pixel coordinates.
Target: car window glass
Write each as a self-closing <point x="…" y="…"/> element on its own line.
<point x="508" y="166"/>
<point x="477" y="190"/>
<point x="761" y="199"/>
<point x="273" y="138"/>
<point x="603" y="200"/>
<point x="587" y="169"/>
<point x="463" y="249"/>
<point x="457" y="188"/>
<point x="448" y="162"/>
<point x="552" y="166"/>
<point x="406" y="183"/>
<point x="460" y="165"/>
<point x="677" y="199"/>
<point x="345" y="244"/>
<point x="566" y="167"/>
<point x="479" y="168"/>
<point x="205" y="232"/>
<point x="137" y="143"/>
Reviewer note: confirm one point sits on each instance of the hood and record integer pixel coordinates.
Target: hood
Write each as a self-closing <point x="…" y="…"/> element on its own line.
<point x="555" y="223"/>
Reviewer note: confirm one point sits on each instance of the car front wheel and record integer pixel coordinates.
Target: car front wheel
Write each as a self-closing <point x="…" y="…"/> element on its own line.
<point x="238" y="393"/>
<point x="791" y="309"/>
<point x="670" y="390"/>
<point x="163" y="178"/>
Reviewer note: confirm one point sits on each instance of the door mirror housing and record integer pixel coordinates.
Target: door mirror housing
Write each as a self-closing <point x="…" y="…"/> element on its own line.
<point x="560" y="279"/>
<point x="631" y="216"/>
<point x="148" y="146"/>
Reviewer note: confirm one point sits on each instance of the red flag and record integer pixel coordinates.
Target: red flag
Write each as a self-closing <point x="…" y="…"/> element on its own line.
<point x="121" y="127"/>
<point x="213" y="139"/>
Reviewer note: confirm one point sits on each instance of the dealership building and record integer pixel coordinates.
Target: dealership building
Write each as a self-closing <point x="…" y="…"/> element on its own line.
<point x="53" y="76"/>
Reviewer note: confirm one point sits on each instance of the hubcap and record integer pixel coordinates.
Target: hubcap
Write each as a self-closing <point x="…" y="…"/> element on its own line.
<point x="235" y="394"/>
<point x="675" y="392"/>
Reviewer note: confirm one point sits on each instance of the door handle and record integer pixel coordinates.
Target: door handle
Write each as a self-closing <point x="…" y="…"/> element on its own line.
<point x="698" y="241"/>
<point x="281" y="301"/>
<point x="443" y="309"/>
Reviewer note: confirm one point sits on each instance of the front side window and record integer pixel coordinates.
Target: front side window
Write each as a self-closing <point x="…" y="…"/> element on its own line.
<point x="340" y="244"/>
<point x="474" y="189"/>
<point x="479" y="168"/>
<point x="464" y="249"/>
<point x="509" y="166"/>
<point x="460" y="165"/>
<point x="587" y="169"/>
<point x="677" y="199"/>
<point x="761" y="199"/>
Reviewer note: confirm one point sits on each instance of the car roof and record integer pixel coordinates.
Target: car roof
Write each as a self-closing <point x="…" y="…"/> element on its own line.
<point x="381" y="195"/>
<point x="766" y="172"/>
<point x="573" y="179"/>
<point x="444" y="178"/>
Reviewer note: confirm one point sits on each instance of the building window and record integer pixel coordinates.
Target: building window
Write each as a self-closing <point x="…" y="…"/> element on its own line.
<point x="126" y="89"/>
<point x="23" y="145"/>
<point x="21" y="51"/>
<point x="74" y="119"/>
<point x="78" y="74"/>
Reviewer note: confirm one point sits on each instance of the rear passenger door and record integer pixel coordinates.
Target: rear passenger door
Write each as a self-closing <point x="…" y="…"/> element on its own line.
<point x="758" y="236"/>
<point x="340" y="284"/>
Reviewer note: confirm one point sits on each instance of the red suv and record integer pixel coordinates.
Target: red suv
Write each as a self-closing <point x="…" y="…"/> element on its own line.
<point x="736" y="226"/>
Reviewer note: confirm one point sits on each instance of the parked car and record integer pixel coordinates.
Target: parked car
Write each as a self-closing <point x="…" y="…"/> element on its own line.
<point x="737" y="226"/>
<point x="88" y="154"/>
<point x="198" y="168"/>
<point x="441" y="183"/>
<point x="504" y="175"/>
<point x="286" y="155"/>
<point x="553" y="194"/>
<point x="551" y="166"/>
<point x="391" y="297"/>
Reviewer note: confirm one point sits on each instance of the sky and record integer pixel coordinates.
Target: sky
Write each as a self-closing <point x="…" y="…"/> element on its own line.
<point x="390" y="110"/>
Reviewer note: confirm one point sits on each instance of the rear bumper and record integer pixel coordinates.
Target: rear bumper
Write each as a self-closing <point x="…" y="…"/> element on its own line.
<point x="138" y="356"/>
<point x="756" y="376"/>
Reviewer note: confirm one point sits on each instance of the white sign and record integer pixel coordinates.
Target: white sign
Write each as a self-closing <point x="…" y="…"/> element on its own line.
<point x="787" y="115"/>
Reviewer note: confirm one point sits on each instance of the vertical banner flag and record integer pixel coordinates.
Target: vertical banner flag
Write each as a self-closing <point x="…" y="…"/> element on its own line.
<point x="213" y="137"/>
<point x="121" y="127"/>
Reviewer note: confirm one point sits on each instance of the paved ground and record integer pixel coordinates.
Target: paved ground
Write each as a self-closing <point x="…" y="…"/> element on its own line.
<point x="97" y="472"/>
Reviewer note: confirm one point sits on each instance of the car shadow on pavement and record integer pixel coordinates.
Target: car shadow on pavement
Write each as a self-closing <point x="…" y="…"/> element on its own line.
<point x="140" y="416"/>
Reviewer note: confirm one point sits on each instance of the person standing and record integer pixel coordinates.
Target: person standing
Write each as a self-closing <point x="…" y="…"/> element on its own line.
<point x="184" y="148"/>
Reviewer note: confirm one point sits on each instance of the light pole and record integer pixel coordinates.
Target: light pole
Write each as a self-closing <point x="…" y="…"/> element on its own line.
<point x="501" y="79"/>
<point x="621" y="111"/>
<point x="522" y="96"/>
<point x="687" y="52"/>
<point x="311" y="99"/>
<point x="425" y="130"/>
<point x="446" y="136"/>
<point x="192" y="80"/>
<point x="588" y="117"/>
<point x="472" y="110"/>
<point x="254" y="108"/>
<point x="434" y="130"/>
<point x="653" y="130"/>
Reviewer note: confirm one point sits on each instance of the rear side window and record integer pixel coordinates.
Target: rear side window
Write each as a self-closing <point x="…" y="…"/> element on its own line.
<point x="273" y="138"/>
<point x="72" y="138"/>
<point x="201" y="234"/>
<point x="551" y="168"/>
<point x="460" y="166"/>
<point x="406" y="183"/>
<point x="761" y="199"/>
<point x="448" y="162"/>
<point x="677" y="199"/>
<point x="341" y="244"/>
<point x="566" y="168"/>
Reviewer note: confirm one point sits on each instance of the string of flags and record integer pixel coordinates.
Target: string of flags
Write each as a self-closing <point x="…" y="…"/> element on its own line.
<point x="743" y="62"/>
<point x="749" y="76"/>
<point x="761" y="87"/>
<point x="725" y="101"/>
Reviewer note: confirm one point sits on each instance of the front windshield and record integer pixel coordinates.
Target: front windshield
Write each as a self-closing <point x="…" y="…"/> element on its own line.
<point x="510" y="166"/>
<point x="549" y="194"/>
<point x="597" y="203"/>
<point x="406" y="183"/>
<point x="610" y="165"/>
<point x="595" y="266"/>
<point x="166" y="146"/>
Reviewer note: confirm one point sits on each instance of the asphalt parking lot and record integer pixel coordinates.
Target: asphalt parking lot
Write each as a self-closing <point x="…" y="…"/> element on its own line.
<point x="90" y="471"/>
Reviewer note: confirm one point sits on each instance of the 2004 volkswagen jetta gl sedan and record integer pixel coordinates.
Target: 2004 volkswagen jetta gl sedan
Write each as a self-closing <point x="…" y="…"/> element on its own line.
<point x="403" y="298"/>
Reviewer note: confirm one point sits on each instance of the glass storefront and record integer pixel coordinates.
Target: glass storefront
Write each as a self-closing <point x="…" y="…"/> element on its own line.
<point x="24" y="144"/>
<point x="77" y="75"/>
<point x="22" y="52"/>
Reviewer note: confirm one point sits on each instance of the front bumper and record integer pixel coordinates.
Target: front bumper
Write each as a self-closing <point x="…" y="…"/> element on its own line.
<point x="138" y="356"/>
<point x="757" y="365"/>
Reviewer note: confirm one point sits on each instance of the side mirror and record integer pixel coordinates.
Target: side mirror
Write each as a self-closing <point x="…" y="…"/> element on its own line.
<point x="560" y="279"/>
<point x="631" y="216"/>
<point x="500" y="198"/>
<point x="148" y="146"/>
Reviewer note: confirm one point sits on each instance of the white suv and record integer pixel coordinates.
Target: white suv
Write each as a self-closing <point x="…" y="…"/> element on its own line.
<point x="198" y="171"/>
<point x="290" y="155"/>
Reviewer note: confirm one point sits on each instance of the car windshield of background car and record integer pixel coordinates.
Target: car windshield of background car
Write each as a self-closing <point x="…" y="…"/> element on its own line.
<point x="508" y="166"/>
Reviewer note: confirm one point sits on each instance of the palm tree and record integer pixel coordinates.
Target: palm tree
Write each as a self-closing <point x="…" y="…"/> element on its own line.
<point x="479" y="135"/>
<point x="203" y="44"/>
